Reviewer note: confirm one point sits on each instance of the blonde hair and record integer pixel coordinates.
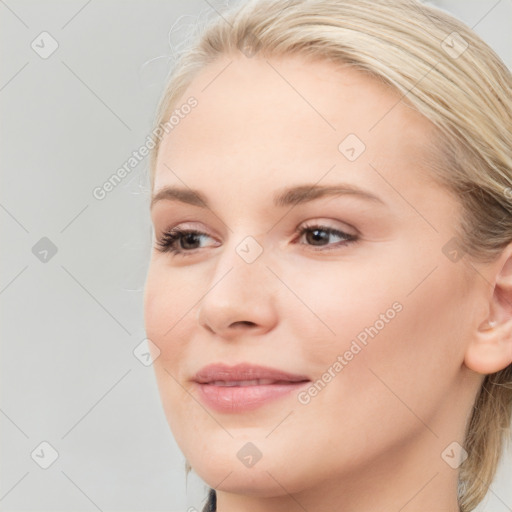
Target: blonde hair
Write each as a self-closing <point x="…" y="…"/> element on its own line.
<point x="443" y="70"/>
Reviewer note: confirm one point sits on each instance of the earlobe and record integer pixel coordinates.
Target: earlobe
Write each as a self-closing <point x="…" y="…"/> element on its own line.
<point x="490" y="350"/>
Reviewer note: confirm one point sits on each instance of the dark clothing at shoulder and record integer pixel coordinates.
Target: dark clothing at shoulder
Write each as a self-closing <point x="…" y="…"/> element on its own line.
<point x="211" y="503"/>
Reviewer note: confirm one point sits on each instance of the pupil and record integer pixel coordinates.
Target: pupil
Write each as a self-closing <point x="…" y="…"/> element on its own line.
<point x="188" y="238"/>
<point x="317" y="237"/>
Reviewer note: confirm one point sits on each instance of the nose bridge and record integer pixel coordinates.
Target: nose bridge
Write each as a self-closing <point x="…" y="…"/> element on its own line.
<point x="241" y="268"/>
<point x="239" y="288"/>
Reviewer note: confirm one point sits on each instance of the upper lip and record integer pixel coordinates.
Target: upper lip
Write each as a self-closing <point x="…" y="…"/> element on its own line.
<point x="244" y="372"/>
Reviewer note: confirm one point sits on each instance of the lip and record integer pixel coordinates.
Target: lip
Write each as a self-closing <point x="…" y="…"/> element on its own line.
<point x="226" y="388"/>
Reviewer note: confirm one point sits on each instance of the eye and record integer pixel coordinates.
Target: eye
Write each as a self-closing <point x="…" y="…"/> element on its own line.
<point x="185" y="241"/>
<point x="180" y="241"/>
<point x="318" y="236"/>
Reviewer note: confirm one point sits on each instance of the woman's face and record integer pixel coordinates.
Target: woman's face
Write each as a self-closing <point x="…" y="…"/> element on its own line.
<point x="370" y="307"/>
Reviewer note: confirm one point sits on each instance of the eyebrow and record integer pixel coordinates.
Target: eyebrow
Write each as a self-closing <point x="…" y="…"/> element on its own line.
<point x="286" y="197"/>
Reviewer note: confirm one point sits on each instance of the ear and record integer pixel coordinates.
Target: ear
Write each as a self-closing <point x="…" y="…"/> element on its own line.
<point x="490" y="350"/>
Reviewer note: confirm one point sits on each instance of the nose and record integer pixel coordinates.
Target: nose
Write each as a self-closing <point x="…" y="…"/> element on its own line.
<point x="240" y="298"/>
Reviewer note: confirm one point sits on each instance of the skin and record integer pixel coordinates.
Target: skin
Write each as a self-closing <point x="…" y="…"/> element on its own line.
<point x="373" y="437"/>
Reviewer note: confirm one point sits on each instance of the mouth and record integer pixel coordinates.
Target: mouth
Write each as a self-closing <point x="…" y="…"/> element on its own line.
<point x="254" y="382"/>
<point x="244" y="387"/>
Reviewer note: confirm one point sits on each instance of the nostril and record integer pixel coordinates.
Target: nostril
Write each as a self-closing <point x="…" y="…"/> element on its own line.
<point x="244" y="322"/>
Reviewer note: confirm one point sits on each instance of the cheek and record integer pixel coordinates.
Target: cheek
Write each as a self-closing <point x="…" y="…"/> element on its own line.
<point x="164" y="305"/>
<point x="168" y="299"/>
<point x="374" y="335"/>
<point x="335" y="304"/>
<point x="167" y="317"/>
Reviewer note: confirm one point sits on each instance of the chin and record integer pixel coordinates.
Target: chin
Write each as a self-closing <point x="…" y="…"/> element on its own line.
<point x="266" y="478"/>
<point x="257" y="483"/>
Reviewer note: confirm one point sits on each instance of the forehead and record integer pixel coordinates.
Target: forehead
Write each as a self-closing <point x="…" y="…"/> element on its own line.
<point x="257" y="118"/>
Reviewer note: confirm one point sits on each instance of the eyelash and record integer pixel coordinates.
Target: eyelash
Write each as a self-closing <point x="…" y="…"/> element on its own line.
<point x="169" y="239"/>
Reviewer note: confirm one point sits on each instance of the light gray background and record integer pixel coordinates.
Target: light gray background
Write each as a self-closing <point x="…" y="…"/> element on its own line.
<point x="69" y="325"/>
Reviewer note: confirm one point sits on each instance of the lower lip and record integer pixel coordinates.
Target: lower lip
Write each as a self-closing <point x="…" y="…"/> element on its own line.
<point x="244" y="398"/>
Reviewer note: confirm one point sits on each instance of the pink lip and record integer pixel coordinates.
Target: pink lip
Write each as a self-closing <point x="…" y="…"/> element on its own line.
<point x="238" y="398"/>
